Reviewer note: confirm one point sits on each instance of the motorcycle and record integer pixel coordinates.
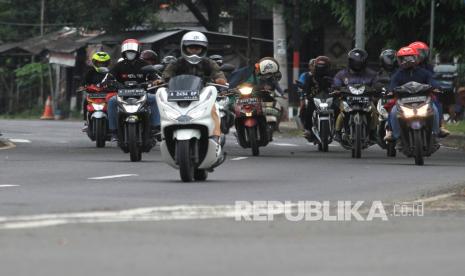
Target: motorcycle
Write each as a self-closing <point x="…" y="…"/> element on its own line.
<point x="257" y="116"/>
<point x="226" y="115"/>
<point x="416" y="116"/>
<point x="323" y="121"/>
<point x="134" y="130"/>
<point x="357" y="105"/>
<point x="97" y="117"/>
<point x="383" y="118"/>
<point x="186" y="125"/>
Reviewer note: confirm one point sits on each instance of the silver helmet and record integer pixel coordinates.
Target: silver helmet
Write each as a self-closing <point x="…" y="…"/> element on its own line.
<point x="194" y="38"/>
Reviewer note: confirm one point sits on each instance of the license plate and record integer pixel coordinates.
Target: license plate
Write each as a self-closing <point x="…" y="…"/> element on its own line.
<point x="131" y="92"/>
<point x="97" y="95"/>
<point x="183" y="95"/>
<point x="414" y="99"/>
<point x="248" y="101"/>
<point x="359" y="99"/>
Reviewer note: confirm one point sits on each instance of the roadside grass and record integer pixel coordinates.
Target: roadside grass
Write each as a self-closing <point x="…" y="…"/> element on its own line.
<point x="458" y="128"/>
<point x="33" y="113"/>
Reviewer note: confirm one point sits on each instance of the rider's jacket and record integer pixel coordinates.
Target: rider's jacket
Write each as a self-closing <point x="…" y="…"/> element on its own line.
<point x="417" y="74"/>
<point x="129" y="71"/>
<point x="347" y="77"/>
<point x="207" y="69"/>
<point x="93" y="77"/>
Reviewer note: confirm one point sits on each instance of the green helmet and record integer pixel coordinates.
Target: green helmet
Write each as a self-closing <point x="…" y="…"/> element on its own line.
<point x="100" y="59"/>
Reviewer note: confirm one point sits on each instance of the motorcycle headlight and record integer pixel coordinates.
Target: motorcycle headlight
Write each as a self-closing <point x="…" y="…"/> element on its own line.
<point x="357" y="91"/>
<point x="98" y="107"/>
<point x="323" y="105"/>
<point x="407" y="112"/>
<point x="133" y="108"/>
<point x="423" y="110"/>
<point x="142" y="99"/>
<point x="246" y="90"/>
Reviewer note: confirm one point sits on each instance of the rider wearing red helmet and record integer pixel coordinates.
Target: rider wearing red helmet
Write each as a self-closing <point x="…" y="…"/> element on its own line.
<point x="423" y="54"/>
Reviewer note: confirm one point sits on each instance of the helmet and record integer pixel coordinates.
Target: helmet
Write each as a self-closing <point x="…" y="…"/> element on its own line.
<point x="149" y="56"/>
<point x="311" y="65"/>
<point x="357" y="59"/>
<point x="322" y="66"/>
<point x="387" y="60"/>
<point x="422" y="48"/>
<point x="100" y="59"/>
<point x="194" y="38"/>
<point x="267" y="68"/>
<point x="168" y="60"/>
<point x="130" y="49"/>
<point x="218" y="59"/>
<point x="407" y="57"/>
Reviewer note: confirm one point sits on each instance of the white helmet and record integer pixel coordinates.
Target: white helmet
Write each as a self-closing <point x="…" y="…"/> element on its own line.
<point x="194" y="38"/>
<point x="268" y="67"/>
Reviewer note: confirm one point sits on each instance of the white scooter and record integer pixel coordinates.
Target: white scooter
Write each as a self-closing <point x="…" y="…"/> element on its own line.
<point x="186" y="125"/>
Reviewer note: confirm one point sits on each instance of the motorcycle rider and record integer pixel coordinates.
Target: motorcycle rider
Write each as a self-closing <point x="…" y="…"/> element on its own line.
<point x="318" y="82"/>
<point x="409" y="71"/>
<point x="94" y="76"/>
<point x="194" y="47"/>
<point x="150" y="56"/>
<point x="389" y="65"/>
<point x="356" y="73"/>
<point x="129" y="69"/>
<point x="423" y="52"/>
<point x="306" y="75"/>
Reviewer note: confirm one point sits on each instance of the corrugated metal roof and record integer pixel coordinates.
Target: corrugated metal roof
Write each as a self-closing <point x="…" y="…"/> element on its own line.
<point x="158" y="36"/>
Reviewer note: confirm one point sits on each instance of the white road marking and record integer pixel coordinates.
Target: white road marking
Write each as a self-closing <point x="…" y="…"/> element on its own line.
<point x="433" y="198"/>
<point x="8" y="185"/>
<point x="112" y="176"/>
<point x="284" y="144"/>
<point x="20" y="140"/>
<point x="238" y="158"/>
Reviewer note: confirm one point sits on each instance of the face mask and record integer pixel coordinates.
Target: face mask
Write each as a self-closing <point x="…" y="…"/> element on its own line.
<point x="130" y="56"/>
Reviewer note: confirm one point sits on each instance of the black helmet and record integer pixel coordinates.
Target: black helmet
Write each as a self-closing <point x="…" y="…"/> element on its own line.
<point x="357" y="59"/>
<point x="149" y="56"/>
<point x="168" y="60"/>
<point x="218" y="59"/>
<point x="388" y="60"/>
<point x="322" y="65"/>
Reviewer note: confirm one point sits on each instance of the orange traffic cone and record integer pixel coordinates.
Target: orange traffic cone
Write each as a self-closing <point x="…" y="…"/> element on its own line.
<point x="48" y="111"/>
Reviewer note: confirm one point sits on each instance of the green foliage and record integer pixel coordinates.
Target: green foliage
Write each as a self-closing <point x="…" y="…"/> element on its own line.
<point x="29" y="74"/>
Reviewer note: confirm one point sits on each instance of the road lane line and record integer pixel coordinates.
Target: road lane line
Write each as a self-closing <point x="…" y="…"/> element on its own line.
<point x="111" y="176"/>
<point x="8" y="185"/>
<point x="20" y="141"/>
<point x="238" y="158"/>
<point x="433" y="198"/>
<point x="284" y="144"/>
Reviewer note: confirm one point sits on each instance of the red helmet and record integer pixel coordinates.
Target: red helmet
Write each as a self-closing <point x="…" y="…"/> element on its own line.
<point x="128" y="46"/>
<point x="407" y="57"/>
<point x="422" y="48"/>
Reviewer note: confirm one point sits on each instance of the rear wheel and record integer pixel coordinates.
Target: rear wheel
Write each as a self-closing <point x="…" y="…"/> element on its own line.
<point x="100" y="132"/>
<point x="418" y="151"/>
<point x="324" y="135"/>
<point x="252" y="136"/>
<point x="184" y="160"/>
<point x="135" y="153"/>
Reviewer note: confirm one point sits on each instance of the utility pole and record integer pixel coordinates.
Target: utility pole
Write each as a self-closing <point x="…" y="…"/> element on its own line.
<point x="280" y="47"/>
<point x="42" y="13"/>
<point x="249" y="39"/>
<point x="431" y="30"/>
<point x="360" y="24"/>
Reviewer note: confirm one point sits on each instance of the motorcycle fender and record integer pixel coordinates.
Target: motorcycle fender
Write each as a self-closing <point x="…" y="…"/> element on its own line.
<point x="416" y="125"/>
<point x="250" y="122"/>
<point x="166" y="156"/>
<point x="186" y="134"/>
<point x="212" y="156"/>
<point x="98" y="115"/>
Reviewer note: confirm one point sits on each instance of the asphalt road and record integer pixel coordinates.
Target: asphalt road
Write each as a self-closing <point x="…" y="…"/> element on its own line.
<point x="52" y="171"/>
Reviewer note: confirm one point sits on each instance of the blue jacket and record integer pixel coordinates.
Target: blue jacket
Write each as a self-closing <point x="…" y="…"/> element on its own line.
<point x="418" y="74"/>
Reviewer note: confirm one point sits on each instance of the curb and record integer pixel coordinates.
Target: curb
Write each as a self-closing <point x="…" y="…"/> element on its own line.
<point x="455" y="140"/>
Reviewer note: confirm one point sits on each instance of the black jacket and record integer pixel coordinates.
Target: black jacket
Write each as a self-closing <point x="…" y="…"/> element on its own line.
<point x="129" y="71"/>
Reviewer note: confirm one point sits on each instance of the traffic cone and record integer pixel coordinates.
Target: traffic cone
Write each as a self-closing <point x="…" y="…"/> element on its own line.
<point x="48" y="111"/>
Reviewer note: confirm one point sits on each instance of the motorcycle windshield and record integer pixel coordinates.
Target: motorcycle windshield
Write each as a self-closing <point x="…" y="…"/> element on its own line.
<point x="185" y="83"/>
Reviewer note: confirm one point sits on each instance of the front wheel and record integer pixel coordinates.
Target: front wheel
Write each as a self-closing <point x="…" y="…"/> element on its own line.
<point x="100" y="132"/>
<point x="252" y="136"/>
<point x="324" y="135"/>
<point x="135" y="153"/>
<point x="184" y="160"/>
<point x="357" y="144"/>
<point x="391" y="149"/>
<point x="418" y="151"/>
